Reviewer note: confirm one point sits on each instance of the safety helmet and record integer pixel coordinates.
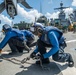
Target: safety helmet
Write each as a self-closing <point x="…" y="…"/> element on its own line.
<point x="6" y="27"/>
<point x="37" y="27"/>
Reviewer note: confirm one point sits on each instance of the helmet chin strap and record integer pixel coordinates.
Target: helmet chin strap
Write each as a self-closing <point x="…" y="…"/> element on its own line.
<point x="39" y="34"/>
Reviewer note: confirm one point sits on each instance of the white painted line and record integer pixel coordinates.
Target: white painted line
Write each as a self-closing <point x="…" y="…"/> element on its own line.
<point x="66" y="70"/>
<point x="70" y="41"/>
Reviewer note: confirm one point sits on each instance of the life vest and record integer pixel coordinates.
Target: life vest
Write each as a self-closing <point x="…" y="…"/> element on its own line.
<point x="20" y="34"/>
<point x="48" y="29"/>
<point x="29" y="35"/>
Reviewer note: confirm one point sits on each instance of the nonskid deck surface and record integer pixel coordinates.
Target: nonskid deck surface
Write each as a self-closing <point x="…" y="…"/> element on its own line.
<point x="30" y="68"/>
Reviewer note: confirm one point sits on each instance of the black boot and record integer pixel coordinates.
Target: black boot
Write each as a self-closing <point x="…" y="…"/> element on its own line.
<point x="66" y="57"/>
<point x="70" y="61"/>
<point x="12" y="53"/>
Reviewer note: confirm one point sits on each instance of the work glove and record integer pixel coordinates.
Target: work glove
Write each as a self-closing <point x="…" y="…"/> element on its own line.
<point x="33" y="54"/>
<point x="40" y="56"/>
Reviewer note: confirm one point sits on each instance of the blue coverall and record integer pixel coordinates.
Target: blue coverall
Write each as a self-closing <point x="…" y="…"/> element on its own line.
<point x="50" y="38"/>
<point x="15" y="33"/>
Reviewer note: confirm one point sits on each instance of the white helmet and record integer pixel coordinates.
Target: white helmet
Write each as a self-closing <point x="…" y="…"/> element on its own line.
<point x="6" y="27"/>
<point x="37" y="27"/>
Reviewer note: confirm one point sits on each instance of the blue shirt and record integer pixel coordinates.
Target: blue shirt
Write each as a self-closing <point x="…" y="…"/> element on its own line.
<point x="14" y="33"/>
<point x="52" y="37"/>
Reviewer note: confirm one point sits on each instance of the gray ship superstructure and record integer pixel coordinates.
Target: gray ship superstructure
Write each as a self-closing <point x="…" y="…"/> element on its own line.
<point x="61" y="20"/>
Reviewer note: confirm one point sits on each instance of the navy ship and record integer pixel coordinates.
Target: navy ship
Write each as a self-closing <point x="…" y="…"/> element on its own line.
<point x="61" y="21"/>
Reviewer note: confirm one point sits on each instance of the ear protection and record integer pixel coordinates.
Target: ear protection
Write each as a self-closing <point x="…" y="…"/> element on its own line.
<point x="40" y="30"/>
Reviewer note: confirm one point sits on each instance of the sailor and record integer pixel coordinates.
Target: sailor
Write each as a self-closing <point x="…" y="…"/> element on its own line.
<point x="18" y="40"/>
<point x="51" y="37"/>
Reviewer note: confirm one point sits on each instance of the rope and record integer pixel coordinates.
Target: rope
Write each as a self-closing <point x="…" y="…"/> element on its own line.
<point x="25" y="61"/>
